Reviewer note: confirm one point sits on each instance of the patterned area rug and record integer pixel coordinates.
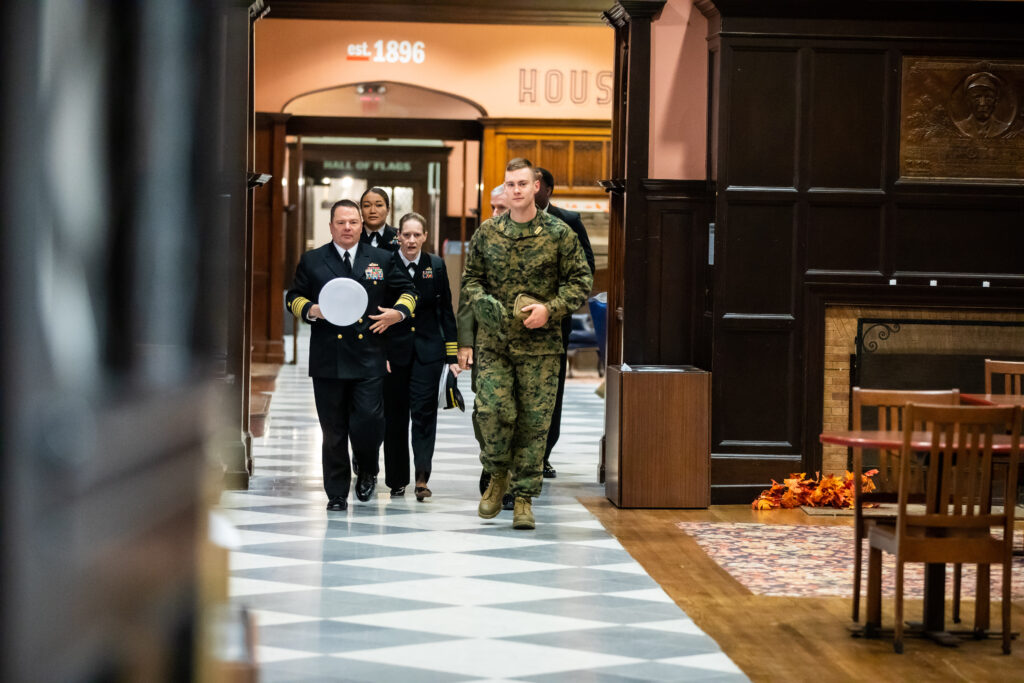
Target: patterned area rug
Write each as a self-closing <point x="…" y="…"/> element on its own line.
<point x="813" y="561"/>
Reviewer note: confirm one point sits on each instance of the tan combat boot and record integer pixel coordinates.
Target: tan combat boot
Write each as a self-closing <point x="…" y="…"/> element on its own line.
<point x="522" y="514"/>
<point x="490" y="503"/>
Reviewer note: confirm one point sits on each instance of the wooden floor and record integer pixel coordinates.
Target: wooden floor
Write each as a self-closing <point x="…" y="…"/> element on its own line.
<point x="793" y="639"/>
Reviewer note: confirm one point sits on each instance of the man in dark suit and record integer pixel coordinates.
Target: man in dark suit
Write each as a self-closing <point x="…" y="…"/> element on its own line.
<point x="375" y="206"/>
<point x="572" y="219"/>
<point x="348" y="364"/>
<point x="418" y="348"/>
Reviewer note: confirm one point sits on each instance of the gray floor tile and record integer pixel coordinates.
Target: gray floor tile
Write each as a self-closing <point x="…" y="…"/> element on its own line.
<point x="327" y="604"/>
<point x="334" y="637"/>
<point x="581" y="579"/>
<point x="371" y="672"/>
<point x="326" y="550"/>
<point x="602" y="608"/>
<point x="331" y="575"/>
<point x="575" y="555"/>
<point x="626" y="641"/>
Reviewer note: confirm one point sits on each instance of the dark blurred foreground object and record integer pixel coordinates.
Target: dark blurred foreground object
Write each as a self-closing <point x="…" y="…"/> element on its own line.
<point x="122" y="330"/>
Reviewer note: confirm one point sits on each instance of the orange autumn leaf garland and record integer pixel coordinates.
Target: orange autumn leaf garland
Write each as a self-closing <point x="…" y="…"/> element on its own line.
<point x="828" y="491"/>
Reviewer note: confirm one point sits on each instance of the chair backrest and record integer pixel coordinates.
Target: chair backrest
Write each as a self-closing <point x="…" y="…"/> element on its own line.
<point x="959" y="466"/>
<point x="1012" y="372"/>
<point x="888" y="406"/>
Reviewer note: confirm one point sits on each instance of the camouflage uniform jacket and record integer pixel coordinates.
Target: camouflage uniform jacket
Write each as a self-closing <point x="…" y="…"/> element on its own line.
<point x="543" y="259"/>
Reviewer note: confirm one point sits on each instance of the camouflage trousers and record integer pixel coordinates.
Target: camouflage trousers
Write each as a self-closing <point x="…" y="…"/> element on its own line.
<point x="514" y="400"/>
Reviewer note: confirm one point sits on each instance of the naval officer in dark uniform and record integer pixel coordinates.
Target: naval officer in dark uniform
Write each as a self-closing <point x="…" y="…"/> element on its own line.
<point x="375" y="207"/>
<point x="348" y="364"/>
<point x="418" y="349"/>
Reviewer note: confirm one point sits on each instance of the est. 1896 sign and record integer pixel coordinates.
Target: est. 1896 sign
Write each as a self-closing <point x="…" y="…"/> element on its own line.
<point x="391" y="51"/>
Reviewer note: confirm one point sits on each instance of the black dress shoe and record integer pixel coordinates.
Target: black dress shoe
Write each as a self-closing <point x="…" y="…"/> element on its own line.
<point x="508" y="501"/>
<point x="337" y="504"/>
<point x="397" y="491"/>
<point x="364" y="487"/>
<point x="549" y="471"/>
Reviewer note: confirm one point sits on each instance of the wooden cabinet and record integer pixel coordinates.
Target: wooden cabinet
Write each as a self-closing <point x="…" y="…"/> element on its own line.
<point x="657" y="449"/>
<point x="576" y="152"/>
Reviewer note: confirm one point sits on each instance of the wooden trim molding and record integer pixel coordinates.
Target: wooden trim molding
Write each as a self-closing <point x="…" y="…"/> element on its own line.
<point x="433" y="129"/>
<point x="535" y="12"/>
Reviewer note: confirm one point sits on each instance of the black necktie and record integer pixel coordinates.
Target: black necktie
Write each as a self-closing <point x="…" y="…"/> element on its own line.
<point x="412" y="270"/>
<point x="346" y="266"/>
<point x="373" y="240"/>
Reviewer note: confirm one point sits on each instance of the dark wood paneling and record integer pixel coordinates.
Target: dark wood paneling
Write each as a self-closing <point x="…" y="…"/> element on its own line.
<point x="675" y="245"/>
<point x="629" y="338"/>
<point x="268" y="241"/>
<point x="554" y="156"/>
<point x="588" y="162"/>
<point x="758" y="470"/>
<point x="804" y="143"/>
<point x="946" y="239"/>
<point x="756" y="249"/>
<point x="757" y="398"/>
<point x="844" y="237"/>
<point x="848" y="110"/>
<point x="762" y="117"/>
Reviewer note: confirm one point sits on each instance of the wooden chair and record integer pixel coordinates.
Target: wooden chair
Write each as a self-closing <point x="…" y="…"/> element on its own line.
<point x="888" y="406"/>
<point x="1012" y="372"/>
<point x="958" y="517"/>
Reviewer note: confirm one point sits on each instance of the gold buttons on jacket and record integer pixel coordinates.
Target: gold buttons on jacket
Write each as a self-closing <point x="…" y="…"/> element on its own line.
<point x="414" y="329"/>
<point x="339" y="336"/>
<point x="360" y="336"/>
<point x="360" y="320"/>
<point x="413" y="314"/>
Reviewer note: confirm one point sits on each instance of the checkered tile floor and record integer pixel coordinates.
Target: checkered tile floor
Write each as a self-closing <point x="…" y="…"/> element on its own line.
<point x="395" y="590"/>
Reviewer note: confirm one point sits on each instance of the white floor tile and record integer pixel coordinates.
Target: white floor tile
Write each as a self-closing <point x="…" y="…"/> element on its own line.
<point x="482" y="657"/>
<point x="259" y="537"/>
<point x="266" y="655"/>
<point x="460" y="590"/>
<point x="475" y="622"/>
<point x="238" y="561"/>
<point x="240" y="586"/>
<point x="270" y="618"/>
<point x="685" y="626"/>
<point x="458" y="564"/>
<point x="445" y="541"/>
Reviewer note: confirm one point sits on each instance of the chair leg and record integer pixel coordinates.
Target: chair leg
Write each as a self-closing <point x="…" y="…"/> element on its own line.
<point x="983" y="600"/>
<point x="897" y="633"/>
<point x="858" y="555"/>
<point x="1007" y="594"/>
<point x="957" y="576"/>
<point x="874" y="599"/>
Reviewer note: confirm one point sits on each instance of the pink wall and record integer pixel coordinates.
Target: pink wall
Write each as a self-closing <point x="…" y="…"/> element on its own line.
<point x="512" y="71"/>
<point x="679" y="94"/>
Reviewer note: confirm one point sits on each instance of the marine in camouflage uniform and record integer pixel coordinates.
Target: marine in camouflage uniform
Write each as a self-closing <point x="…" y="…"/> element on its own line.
<point x="517" y="367"/>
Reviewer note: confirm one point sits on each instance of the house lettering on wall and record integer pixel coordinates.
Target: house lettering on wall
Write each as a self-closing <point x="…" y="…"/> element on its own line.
<point x="555" y="85"/>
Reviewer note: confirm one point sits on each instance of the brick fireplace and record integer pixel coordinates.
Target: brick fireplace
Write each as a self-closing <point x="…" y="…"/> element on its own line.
<point x="952" y="337"/>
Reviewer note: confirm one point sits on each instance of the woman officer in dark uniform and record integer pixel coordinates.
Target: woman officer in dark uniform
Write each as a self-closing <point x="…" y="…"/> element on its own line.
<point x="375" y="206"/>
<point x="418" y="348"/>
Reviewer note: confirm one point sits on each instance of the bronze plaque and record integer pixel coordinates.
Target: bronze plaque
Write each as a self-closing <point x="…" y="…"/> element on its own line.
<point x="961" y="119"/>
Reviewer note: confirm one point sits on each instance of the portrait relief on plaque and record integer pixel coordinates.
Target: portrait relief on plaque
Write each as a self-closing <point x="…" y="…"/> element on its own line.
<point x="961" y="119"/>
